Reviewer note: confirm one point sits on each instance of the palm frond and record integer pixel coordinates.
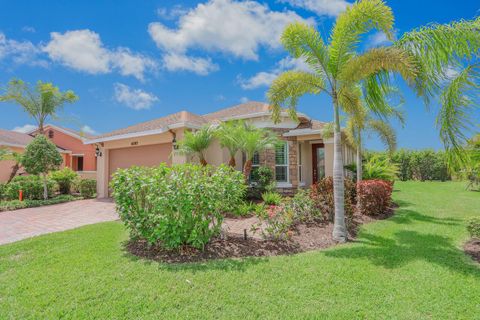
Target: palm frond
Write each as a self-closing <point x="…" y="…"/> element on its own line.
<point x="288" y="87"/>
<point x="360" y="18"/>
<point x="385" y="132"/>
<point x="303" y="41"/>
<point x="197" y="142"/>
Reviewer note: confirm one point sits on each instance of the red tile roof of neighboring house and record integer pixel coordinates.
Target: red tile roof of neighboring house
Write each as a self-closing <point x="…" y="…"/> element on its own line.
<point x="14" y="139"/>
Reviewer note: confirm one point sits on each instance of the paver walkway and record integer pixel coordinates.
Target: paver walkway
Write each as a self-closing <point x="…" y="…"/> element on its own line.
<point x="25" y="223"/>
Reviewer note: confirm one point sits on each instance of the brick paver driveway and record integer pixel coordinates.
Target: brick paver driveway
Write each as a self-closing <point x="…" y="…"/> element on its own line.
<point x="25" y="223"/>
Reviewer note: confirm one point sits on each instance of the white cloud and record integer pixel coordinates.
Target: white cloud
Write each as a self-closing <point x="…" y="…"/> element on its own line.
<point x="264" y="79"/>
<point x="175" y="62"/>
<point x="173" y="13"/>
<point x="20" y="52"/>
<point x="136" y="99"/>
<point x="330" y="8"/>
<point x="88" y="130"/>
<point x="83" y="50"/>
<point x="378" y="39"/>
<point x="26" y="128"/>
<point x="225" y="26"/>
<point x="244" y="99"/>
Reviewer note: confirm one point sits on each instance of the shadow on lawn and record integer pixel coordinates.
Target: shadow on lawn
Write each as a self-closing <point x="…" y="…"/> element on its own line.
<point x="405" y="216"/>
<point x="407" y="246"/>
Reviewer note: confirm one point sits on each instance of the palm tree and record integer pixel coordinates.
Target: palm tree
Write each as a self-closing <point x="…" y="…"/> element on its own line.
<point x="337" y="69"/>
<point x="255" y="140"/>
<point x="196" y="143"/>
<point x="229" y="134"/>
<point x="448" y="55"/>
<point x="40" y="102"/>
<point x="361" y="122"/>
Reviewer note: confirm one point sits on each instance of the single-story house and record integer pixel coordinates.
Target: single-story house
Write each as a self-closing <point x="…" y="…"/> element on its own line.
<point x="70" y="143"/>
<point x="301" y="160"/>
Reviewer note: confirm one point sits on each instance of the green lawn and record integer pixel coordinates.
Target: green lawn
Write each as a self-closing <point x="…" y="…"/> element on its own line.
<point x="408" y="267"/>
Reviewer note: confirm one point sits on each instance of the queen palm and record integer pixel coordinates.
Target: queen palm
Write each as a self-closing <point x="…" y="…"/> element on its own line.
<point x="254" y="140"/>
<point x="229" y="134"/>
<point x="197" y="143"/>
<point x="337" y="68"/>
<point x="41" y="102"/>
<point x="448" y="55"/>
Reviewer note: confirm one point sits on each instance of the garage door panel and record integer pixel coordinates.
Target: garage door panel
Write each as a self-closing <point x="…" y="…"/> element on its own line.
<point x="151" y="155"/>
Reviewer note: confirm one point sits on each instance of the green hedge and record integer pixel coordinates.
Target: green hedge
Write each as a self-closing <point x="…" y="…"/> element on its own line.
<point x="16" y="204"/>
<point x="417" y="164"/>
<point x="32" y="187"/>
<point x="87" y="188"/>
<point x="178" y="205"/>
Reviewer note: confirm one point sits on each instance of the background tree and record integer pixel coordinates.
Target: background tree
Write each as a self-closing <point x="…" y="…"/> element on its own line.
<point x="337" y="69"/>
<point x="40" y="157"/>
<point x="255" y="140"/>
<point x="196" y="143"/>
<point x="40" y="102"/>
<point x="229" y="134"/>
<point x="448" y="55"/>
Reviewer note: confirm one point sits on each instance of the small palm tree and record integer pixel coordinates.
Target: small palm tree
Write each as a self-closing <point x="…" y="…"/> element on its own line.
<point x="337" y="69"/>
<point x="255" y="140"/>
<point x="40" y="102"/>
<point x="229" y="134"/>
<point x="196" y="143"/>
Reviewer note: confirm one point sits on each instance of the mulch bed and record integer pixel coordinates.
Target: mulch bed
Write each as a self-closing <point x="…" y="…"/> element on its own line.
<point x="305" y="237"/>
<point x="472" y="248"/>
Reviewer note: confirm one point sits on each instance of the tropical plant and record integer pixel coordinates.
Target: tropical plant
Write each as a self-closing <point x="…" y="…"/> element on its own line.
<point x="41" y="102"/>
<point x="196" y="143"/>
<point x="448" y="55"/>
<point x="229" y="134"/>
<point x="255" y="140"/>
<point x="271" y="198"/>
<point x="65" y="178"/>
<point x="340" y="71"/>
<point x="40" y="157"/>
<point x="380" y="168"/>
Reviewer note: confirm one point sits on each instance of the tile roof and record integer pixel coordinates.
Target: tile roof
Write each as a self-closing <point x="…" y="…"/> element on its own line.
<point x="238" y="110"/>
<point x="8" y="138"/>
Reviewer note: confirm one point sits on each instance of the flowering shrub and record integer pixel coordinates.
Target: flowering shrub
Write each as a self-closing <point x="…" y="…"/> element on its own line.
<point x="304" y="207"/>
<point x="275" y="222"/>
<point x="178" y="205"/>
<point x="374" y="196"/>
<point x="473" y="227"/>
<point x="322" y="195"/>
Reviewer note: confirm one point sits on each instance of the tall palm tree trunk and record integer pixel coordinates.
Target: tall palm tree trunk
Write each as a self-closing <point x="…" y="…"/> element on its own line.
<point x="339" y="228"/>
<point x="247" y="168"/>
<point x="359" y="159"/>
<point x="232" y="163"/>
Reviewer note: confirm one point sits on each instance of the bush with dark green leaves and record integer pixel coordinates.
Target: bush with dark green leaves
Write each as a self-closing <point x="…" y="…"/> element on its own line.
<point x="179" y="205"/>
<point x="261" y="181"/>
<point x="65" y="178"/>
<point x="32" y="187"/>
<point x="87" y="188"/>
<point x="3" y="186"/>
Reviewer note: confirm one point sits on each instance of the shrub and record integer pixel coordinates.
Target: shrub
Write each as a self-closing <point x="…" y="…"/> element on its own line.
<point x="275" y="222"/>
<point x="271" y="198"/>
<point x="379" y="168"/>
<point x="245" y="209"/>
<point x="473" y="227"/>
<point x="3" y="187"/>
<point x="178" y="205"/>
<point x="262" y="181"/>
<point x="402" y="159"/>
<point x="322" y="195"/>
<point x="374" y="197"/>
<point x="87" y="188"/>
<point x="32" y="187"/>
<point x="16" y="204"/>
<point x="65" y="178"/>
<point x="304" y="207"/>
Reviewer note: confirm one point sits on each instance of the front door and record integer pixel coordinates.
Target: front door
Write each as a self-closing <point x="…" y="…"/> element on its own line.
<point x="318" y="161"/>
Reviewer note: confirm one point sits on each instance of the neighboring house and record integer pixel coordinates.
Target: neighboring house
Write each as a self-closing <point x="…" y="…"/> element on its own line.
<point x="80" y="157"/>
<point x="16" y="142"/>
<point x="301" y="160"/>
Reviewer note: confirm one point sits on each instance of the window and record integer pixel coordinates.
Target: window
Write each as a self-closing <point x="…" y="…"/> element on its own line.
<point x="50" y="134"/>
<point x="300" y="162"/>
<point x="255" y="166"/>
<point x="281" y="162"/>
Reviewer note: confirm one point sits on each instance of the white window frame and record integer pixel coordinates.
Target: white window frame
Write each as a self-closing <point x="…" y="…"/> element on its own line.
<point x="300" y="163"/>
<point x="283" y="165"/>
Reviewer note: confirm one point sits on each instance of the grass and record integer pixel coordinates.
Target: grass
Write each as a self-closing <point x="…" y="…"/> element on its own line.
<point x="410" y="266"/>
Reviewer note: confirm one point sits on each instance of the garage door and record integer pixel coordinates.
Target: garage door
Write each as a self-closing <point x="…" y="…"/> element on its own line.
<point x="151" y="155"/>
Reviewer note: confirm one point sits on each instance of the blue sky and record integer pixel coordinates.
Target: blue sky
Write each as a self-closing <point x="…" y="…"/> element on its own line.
<point x="132" y="61"/>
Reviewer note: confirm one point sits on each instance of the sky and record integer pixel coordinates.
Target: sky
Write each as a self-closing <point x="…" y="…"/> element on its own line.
<point x="133" y="61"/>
